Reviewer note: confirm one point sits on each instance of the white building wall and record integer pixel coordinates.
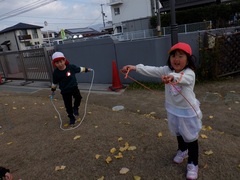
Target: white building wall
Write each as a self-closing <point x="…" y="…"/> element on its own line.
<point x="130" y="10"/>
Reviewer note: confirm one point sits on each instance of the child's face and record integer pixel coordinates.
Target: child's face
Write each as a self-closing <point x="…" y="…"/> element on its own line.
<point x="60" y="64"/>
<point x="178" y="60"/>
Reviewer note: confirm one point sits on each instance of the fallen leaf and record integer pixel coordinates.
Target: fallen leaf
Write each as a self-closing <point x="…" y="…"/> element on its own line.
<point x="239" y="165"/>
<point x="96" y="126"/>
<point x="205" y="166"/>
<point x="55" y="117"/>
<point x="23" y="107"/>
<point x="9" y="143"/>
<point x="113" y="150"/>
<point x="132" y="148"/>
<point x="210" y="152"/>
<point x="124" y="148"/>
<point x="237" y="102"/>
<point x="221" y="133"/>
<point x="43" y="103"/>
<point x="109" y="159"/>
<point x="89" y="112"/>
<point x="120" y="139"/>
<point x="210" y="117"/>
<point x="6" y="104"/>
<point x="58" y="168"/>
<point x="160" y="134"/>
<point x="124" y="170"/>
<point x="61" y="107"/>
<point x="77" y="137"/>
<point x="119" y="156"/>
<point x="229" y="109"/>
<point x="14" y="108"/>
<point x="136" y="177"/>
<point x="203" y="136"/>
<point x="1" y="133"/>
<point x="138" y="111"/>
<point x="35" y="103"/>
<point x="97" y="156"/>
<point x="66" y="125"/>
<point x="101" y="178"/>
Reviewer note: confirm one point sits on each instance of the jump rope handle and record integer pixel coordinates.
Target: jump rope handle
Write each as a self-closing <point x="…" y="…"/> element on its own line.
<point x="52" y="95"/>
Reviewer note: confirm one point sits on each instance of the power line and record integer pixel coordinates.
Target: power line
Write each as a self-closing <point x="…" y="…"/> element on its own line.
<point x="25" y="8"/>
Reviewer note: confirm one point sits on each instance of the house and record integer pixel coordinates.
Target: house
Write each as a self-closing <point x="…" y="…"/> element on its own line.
<point x="48" y="36"/>
<point x="82" y="32"/>
<point x="134" y="15"/>
<point x="21" y="37"/>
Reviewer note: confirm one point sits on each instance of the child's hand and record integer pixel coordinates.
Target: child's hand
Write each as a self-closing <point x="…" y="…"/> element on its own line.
<point x="167" y="79"/>
<point x="8" y="176"/>
<point x="128" y="68"/>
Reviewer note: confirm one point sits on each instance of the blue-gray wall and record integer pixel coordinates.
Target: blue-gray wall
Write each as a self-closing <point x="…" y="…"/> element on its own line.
<point x="99" y="54"/>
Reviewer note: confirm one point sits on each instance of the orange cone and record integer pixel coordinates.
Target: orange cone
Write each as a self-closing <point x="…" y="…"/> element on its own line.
<point x="116" y="83"/>
<point x="1" y="81"/>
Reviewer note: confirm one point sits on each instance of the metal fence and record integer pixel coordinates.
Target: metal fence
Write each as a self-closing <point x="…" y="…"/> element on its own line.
<point x="27" y="65"/>
<point x="150" y="33"/>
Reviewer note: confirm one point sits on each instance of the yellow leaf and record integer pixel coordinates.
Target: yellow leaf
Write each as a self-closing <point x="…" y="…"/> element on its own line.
<point x="209" y="128"/>
<point x="23" y="107"/>
<point x="229" y="109"/>
<point x="55" y="117"/>
<point x="138" y="111"/>
<point x="113" y="150"/>
<point x="136" y="177"/>
<point x="203" y="136"/>
<point x="97" y="156"/>
<point x="1" y="133"/>
<point x="89" y="112"/>
<point x="160" y="134"/>
<point x="9" y="143"/>
<point x="6" y="104"/>
<point x="132" y="148"/>
<point x="57" y="168"/>
<point x="61" y="107"/>
<point x="62" y="167"/>
<point x="14" y="108"/>
<point x="77" y="137"/>
<point x="96" y="126"/>
<point x="119" y="156"/>
<point x="109" y="159"/>
<point x="120" y="139"/>
<point x="124" y="170"/>
<point x="101" y="178"/>
<point x="210" y="117"/>
<point x="66" y="125"/>
<point x="210" y="152"/>
<point x="205" y="166"/>
<point x="239" y="165"/>
<point x="237" y="102"/>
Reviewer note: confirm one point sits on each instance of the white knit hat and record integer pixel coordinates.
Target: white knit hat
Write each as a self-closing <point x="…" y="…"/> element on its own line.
<point x="57" y="56"/>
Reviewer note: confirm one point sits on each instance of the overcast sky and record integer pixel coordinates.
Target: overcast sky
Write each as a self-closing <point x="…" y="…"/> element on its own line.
<point x="59" y="14"/>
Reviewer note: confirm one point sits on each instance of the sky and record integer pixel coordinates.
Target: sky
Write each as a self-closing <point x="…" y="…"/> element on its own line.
<point x="59" y="14"/>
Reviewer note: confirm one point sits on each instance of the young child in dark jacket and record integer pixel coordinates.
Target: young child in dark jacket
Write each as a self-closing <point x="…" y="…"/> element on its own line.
<point x="64" y="76"/>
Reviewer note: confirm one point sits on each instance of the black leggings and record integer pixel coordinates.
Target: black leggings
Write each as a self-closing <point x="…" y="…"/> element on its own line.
<point x="67" y="98"/>
<point x="192" y="149"/>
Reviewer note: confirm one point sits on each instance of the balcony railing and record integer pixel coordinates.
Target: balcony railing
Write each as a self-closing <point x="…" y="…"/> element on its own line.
<point x="25" y="37"/>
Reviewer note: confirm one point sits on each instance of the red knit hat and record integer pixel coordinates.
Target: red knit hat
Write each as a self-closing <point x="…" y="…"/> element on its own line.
<point x="57" y="56"/>
<point x="181" y="46"/>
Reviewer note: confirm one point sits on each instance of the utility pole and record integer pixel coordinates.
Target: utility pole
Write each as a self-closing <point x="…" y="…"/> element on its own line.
<point x="158" y="18"/>
<point x="174" y="26"/>
<point x="103" y="15"/>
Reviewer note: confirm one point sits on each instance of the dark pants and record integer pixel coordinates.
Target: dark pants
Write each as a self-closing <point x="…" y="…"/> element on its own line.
<point x="192" y="149"/>
<point x="68" y="97"/>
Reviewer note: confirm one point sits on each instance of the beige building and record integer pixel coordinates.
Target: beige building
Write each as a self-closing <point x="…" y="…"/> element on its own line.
<point x="21" y="37"/>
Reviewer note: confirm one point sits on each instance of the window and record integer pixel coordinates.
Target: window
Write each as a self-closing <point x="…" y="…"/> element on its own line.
<point x="34" y="33"/>
<point x="23" y="32"/>
<point x="116" y="11"/>
<point x="119" y="29"/>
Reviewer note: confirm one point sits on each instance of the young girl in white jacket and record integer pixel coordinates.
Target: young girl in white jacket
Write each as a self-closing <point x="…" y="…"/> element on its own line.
<point x="183" y="109"/>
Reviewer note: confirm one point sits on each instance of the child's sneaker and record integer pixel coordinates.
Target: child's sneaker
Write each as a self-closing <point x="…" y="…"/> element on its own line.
<point x="180" y="156"/>
<point x="75" y="112"/>
<point x="192" y="172"/>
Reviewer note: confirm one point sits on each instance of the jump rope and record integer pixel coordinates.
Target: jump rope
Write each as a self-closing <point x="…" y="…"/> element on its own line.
<point x="85" y="108"/>
<point x="171" y="83"/>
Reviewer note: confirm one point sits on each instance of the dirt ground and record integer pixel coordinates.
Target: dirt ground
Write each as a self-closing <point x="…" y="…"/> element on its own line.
<point x="33" y="146"/>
